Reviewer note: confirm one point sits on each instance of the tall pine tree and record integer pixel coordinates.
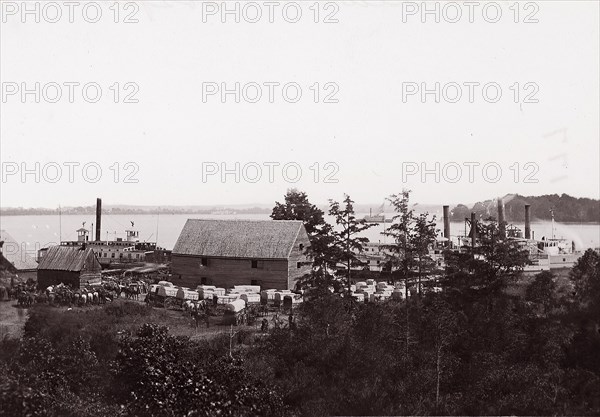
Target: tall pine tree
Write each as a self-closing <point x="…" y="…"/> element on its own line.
<point x="347" y="240"/>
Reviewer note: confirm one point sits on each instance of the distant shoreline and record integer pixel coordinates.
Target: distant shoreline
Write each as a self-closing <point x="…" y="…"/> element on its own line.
<point x="130" y="212"/>
<point x="241" y="213"/>
<point x="563" y="208"/>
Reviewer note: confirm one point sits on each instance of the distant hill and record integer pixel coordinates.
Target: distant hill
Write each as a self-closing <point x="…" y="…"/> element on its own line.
<point x="566" y="208"/>
<point x="205" y="209"/>
<point x="20" y="211"/>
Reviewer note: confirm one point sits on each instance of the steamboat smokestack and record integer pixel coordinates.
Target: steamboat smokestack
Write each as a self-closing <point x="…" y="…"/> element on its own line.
<point x="501" y="221"/>
<point x="527" y="221"/>
<point x="447" y="224"/>
<point x="98" y="218"/>
<point x="473" y="230"/>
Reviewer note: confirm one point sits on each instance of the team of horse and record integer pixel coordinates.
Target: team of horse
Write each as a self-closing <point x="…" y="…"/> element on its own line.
<point x="132" y="289"/>
<point x="64" y="295"/>
<point x="26" y="294"/>
<point x="15" y="292"/>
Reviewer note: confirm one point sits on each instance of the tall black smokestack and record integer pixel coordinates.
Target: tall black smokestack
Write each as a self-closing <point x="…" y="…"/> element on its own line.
<point x="447" y="224"/>
<point x="473" y="230"/>
<point x="98" y="218"/>
<point x="501" y="221"/>
<point x="527" y="221"/>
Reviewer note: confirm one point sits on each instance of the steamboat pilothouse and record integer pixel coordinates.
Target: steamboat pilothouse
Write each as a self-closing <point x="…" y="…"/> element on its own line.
<point x="118" y="251"/>
<point x="115" y="252"/>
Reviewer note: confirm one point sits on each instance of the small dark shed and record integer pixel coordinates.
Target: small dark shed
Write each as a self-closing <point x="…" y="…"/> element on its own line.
<point x="75" y="266"/>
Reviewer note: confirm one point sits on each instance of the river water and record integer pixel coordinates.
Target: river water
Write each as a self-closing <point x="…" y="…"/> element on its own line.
<point x="34" y="232"/>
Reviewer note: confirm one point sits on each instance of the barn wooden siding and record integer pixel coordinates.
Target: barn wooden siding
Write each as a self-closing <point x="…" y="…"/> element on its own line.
<point x="47" y="277"/>
<point x="297" y="257"/>
<point x="227" y="272"/>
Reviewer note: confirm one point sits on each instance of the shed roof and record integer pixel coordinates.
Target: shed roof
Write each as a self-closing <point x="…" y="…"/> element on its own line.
<point x="259" y="239"/>
<point x="11" y="250"/>
<point x="64" y="258"/>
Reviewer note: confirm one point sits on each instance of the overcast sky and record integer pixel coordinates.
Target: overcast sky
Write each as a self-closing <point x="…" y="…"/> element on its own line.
<point x="368" y="126"/>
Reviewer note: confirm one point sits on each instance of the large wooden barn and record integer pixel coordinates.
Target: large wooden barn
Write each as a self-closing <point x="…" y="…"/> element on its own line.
<point x="74" y="266"/>
<point x="269" y="253"/>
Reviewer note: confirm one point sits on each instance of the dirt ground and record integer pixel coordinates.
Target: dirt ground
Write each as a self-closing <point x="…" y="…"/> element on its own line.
<point x="13" y="318"/>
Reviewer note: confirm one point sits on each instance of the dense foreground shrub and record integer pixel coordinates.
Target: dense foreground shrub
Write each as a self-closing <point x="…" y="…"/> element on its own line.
<point x="162" y="375"/>
<point x="469" y="350"/>
<point x="84" y="364"/>
<point x="438" y="355"/>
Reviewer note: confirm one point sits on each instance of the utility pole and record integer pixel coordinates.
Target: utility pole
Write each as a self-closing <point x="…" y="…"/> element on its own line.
<point x="473" y="232"/>
<point x="552" y="214"/>
<point x="59" y="225"/>
<point x="231" y="336"/>
<point x="348" y="249"/>
<point x="157" y="218"/>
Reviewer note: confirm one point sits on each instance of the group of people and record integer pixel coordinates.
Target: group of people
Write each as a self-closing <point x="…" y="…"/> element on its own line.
<point x="200" y="315"/>
<point x="244" y="317"/>
<point x="278" y="323"/>
<point x="16" y="290"/>
<point x="132" y="289"/>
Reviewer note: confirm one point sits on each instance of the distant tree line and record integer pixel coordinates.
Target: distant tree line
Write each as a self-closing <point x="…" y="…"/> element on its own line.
<point x="565" y="208"/>
<point x="91" y="210"/>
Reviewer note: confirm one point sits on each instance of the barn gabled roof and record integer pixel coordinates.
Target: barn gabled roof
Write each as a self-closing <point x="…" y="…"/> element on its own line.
<point x="64" y="258"/>
<point x="251" y="239"/>
<point x="11" y="250"/>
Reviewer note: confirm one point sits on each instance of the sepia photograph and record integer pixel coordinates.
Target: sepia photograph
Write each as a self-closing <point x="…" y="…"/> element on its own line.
<point x="299" y="208"/>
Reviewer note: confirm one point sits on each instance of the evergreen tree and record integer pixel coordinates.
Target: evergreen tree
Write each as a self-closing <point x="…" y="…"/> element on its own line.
<point x="413" y="237"/>
<point x="400" y="260"/>
<point x="297" y="207"/>
<point x="585" y="277"/>
<point x="542" y="290"/>
<point x="422" y="239"/>
<point x="486" y="269"/>
<point x="347" y="242"/>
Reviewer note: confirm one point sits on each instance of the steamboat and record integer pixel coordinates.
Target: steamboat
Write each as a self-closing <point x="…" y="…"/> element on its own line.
<point x="129" y="251"/>
<point x="377" y="218"/>
<point x="544" y="254"/>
